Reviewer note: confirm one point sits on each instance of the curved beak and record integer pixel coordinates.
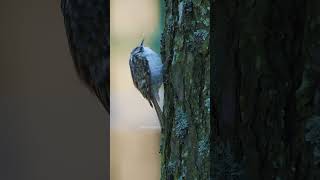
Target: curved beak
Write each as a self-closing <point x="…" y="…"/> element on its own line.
<point x="141" y="44"/>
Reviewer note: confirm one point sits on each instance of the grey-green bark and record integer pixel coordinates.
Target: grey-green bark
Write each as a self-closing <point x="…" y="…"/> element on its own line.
<point x="266" y="86"/>
<point x="185" y="53"/>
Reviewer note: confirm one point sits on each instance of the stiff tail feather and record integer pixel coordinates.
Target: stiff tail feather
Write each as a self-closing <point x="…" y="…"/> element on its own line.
<point x="158" y="110"/>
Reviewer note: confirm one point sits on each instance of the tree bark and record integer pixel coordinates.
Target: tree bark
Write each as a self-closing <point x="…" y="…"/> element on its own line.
<point x="185" y="53"/>
<point x="266" y="59"/>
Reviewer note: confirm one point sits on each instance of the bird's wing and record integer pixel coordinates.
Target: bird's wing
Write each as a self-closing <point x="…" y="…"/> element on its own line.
<point x="132" y="70"/>
<point x="141" y="77"/>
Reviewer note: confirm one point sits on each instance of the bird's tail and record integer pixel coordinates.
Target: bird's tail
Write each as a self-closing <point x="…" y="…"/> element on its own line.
<point x="158" y="109"/>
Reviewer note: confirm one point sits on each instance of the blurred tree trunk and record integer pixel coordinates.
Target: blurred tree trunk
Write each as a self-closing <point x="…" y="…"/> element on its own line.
<point x="266" y="59"/>
<point x="185" y="53"/>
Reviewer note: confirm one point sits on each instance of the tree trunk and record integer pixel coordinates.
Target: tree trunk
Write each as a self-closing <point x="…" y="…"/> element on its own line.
<point x="185" y="53"/>
<point x="266" y="59"/>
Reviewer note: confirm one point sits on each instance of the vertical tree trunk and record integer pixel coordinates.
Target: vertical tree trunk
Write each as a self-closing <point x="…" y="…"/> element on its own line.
<point x="185" y="53"/>
<point x="266" y="58"/>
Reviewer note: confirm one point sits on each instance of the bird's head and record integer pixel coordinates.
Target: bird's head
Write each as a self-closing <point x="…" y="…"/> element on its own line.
<point x="137" y="51"/>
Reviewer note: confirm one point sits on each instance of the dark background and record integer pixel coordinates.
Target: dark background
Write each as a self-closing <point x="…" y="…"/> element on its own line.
<point x="51" y="127"/>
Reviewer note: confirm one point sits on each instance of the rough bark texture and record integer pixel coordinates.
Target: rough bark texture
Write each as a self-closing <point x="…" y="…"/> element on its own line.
<point x="266" y="59"/>
<point x="185" y="53"/>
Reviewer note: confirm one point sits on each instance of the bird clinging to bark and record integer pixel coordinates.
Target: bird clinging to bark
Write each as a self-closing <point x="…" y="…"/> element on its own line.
<point x="87" y="29"/>
<point x="147" y="75"/>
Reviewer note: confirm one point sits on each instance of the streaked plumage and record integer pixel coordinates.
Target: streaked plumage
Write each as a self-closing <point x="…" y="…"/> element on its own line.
<point x="146" y="71"/>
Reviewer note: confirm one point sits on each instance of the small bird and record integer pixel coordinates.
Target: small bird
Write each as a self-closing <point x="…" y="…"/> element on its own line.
<point x="147" y="75"/>
<point x="87" y="29"/>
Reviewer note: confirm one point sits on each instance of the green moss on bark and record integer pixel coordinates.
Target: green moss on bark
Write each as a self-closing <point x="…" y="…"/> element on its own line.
<point x="185" y="53"/>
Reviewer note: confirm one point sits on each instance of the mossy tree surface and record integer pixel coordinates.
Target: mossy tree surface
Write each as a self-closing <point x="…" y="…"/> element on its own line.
<point x="185" y="53"/>
<point x="266" y="91"/>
